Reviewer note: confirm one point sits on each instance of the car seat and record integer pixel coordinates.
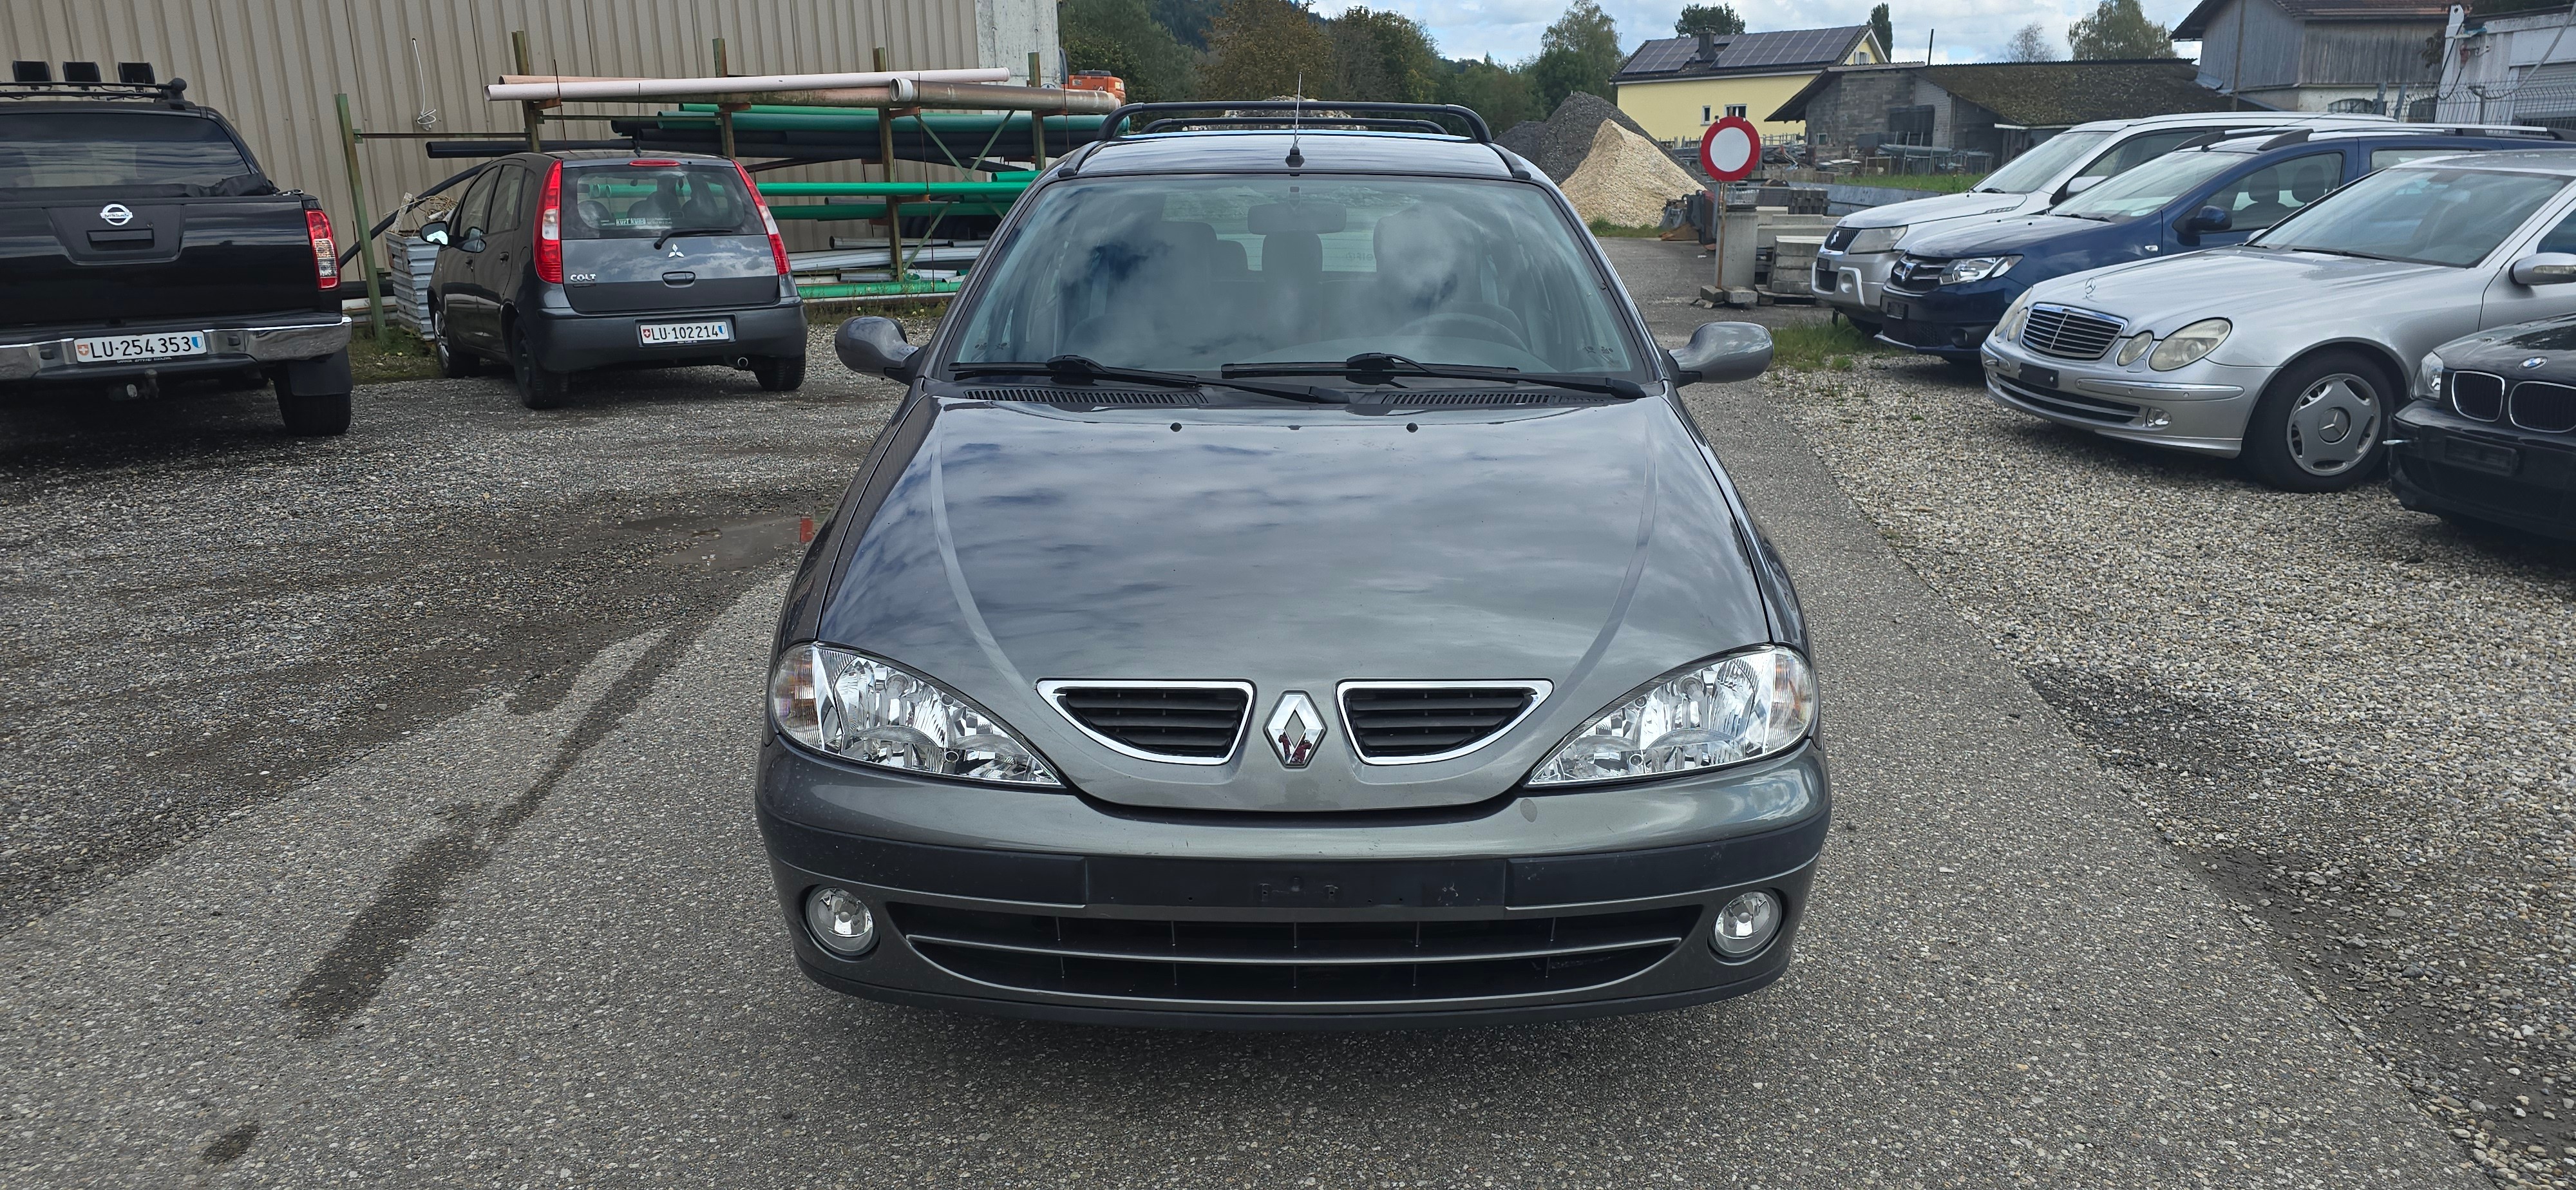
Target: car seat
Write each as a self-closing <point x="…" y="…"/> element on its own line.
<point x="1428" y="264"/>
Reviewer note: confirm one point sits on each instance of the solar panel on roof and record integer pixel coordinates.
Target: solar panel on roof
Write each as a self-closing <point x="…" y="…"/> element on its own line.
<point x="1787" y="47"/>
<point x="1656" y="57"/>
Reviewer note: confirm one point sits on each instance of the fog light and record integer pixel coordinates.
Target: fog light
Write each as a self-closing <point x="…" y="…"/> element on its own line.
<point x="1746" y="925"/>
<point x="840" y="921"/>
<point x="2155" y="419"/>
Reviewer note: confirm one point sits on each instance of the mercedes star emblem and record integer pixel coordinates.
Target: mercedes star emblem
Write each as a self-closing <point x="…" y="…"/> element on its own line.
<point x="116" y="214"/>
<point x="1295" y="729"/>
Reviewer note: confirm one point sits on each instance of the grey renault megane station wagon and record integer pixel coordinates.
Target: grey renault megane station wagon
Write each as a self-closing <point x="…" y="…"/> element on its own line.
<point x="1291" y="595"/>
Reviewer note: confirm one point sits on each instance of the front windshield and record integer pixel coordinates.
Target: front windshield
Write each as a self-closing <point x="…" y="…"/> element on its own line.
<point x="2149" y="188"/>
<point x="2049" y="158"/>
<point x="2422" y="216"/>
<point x="1194" y="273"/>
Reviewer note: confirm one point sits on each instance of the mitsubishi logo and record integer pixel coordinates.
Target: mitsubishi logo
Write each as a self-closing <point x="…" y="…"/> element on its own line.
<point x="1295" y="729"/>
<point x="116" y="214"/>
<point x="675" y="251"/>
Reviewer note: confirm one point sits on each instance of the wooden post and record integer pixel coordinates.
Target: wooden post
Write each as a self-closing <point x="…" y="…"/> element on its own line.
<point x="358" y="218"/>
<point x="724" y="112"/>
<point x="894" y="203"/>
<point x="1037" y="121"/>
<point x="527" y="111"/>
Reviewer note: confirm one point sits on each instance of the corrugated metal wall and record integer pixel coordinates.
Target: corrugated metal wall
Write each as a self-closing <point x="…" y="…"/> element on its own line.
<point x="272" y="66"/>
<point x="2271" y="47"/>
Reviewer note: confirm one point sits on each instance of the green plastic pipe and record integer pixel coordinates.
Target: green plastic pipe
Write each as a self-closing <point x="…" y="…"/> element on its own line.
<point x="867" y="289"/>
<point x="876" y="210"/>
<point x="887" y="189"/>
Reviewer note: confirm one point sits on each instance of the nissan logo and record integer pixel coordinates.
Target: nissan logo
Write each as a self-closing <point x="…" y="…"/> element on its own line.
<point x="116" y="214"/>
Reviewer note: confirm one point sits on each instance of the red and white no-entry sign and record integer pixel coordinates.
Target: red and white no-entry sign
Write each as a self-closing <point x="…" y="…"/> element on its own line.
<point x="1730" y="149"/>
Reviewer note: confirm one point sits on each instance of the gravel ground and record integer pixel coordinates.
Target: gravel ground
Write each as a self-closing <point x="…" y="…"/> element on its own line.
<point x="2355" y="719"/>
<point x="451" y="545"/>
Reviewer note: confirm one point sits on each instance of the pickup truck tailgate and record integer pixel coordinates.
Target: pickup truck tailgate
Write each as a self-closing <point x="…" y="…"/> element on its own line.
<point x="107" y="263"/>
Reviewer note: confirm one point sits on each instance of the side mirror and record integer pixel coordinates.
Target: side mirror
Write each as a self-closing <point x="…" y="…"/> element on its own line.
<point x="2080" y="185"/>
<point x="1719" y="352"/>
<point x="2545" y="268"/>
<point x="2209" y="219"/>
<point x="874" y="344"/>
<point x="434" y="232"/>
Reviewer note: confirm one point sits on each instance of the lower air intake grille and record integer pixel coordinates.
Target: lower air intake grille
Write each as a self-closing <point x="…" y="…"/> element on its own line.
<point x="1177" y="721"/>
<point x="2479" y="396"/>
<point x="2544" y="407"/>
<point x="1400" y="724"/>
<point x="1290" y="962"/>
<point x="2068" y="334"/>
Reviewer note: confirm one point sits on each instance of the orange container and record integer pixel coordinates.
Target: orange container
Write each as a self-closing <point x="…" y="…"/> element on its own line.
<point x="1092" y="80"/>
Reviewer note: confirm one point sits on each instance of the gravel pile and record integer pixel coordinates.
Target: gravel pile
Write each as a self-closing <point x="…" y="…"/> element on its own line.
<point x="1559" y="146"/>
<point x="1523" y="138"/>
<point x="1626" y="180"/>
<point x="2353" y="719"/>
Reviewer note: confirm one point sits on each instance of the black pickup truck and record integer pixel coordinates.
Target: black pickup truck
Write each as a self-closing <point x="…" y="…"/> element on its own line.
<point x="139" y="242"/>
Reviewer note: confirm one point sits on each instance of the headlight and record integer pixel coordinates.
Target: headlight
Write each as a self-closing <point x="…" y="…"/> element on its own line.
<point x="2188" y="345"/>
<point x="2135" y="347"/>
<point x="1875" y="239"/>
<point x="2018" y="313"/>
<point x="859" y="708"/>
<point x="2428" y="377"/>
<point x="1713" y="713"/>
<point x="1976" y="268"/>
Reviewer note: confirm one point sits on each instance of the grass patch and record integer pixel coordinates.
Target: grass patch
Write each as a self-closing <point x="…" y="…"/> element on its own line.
<point x="1821" y="347"/>
<point x="402" y="356"/>
<point x="1943" y="183"/>
<point x="1603" y="227"/>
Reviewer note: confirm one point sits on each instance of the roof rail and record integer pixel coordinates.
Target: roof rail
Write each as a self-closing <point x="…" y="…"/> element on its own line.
<point x="1375" y="123"/>
<point x="1326" y="113"/>
<point x="2292" y="137"/>
<point x="168" y="92"/>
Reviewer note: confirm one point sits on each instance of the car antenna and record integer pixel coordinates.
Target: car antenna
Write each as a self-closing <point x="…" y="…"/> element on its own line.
<point x="1296" y="123"/>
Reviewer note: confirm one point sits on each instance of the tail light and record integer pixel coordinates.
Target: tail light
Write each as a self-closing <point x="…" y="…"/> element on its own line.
<point x="768" y="222"/>
<point x="550" y="227"/>
<point x="326" y="251"/>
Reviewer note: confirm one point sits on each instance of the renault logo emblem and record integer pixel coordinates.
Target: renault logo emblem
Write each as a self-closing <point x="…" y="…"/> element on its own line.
<point x="1296" y="728"/>
<point x="116" y="214"/>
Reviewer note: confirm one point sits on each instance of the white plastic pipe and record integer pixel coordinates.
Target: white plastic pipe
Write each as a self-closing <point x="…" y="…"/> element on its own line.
<point x="622" y="89"/>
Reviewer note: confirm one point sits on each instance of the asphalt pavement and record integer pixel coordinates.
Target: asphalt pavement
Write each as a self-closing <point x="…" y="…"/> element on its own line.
<point x="520" y="934"/>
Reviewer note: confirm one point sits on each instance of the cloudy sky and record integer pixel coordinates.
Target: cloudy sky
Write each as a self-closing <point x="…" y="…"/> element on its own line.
<point x="1969" y="30"/>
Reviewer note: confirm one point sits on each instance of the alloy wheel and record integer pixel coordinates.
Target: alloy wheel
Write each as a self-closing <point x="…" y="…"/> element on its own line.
<point x="2334" y="424"/>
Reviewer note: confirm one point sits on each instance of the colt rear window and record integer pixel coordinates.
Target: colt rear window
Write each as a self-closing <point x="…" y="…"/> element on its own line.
<point x="1193" y="273"/>
<point x="642" y="202"/>
<point x="62" y="150"/>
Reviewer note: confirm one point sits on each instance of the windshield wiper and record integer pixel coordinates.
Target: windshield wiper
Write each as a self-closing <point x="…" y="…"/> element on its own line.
<point x="693" y="231"/>
<point x="1077" y="369"/>
<point x="1378" y="367"/>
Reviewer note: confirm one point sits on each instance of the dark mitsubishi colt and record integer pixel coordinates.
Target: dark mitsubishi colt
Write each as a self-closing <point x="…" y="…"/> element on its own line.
<point x="1290" y="594"/>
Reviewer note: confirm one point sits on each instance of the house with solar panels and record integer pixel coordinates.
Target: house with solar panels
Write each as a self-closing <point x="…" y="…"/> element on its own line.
<point x="1677" y="86"/>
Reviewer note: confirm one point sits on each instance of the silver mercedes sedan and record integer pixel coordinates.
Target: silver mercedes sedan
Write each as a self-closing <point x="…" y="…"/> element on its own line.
<point x="2292" y="351"/>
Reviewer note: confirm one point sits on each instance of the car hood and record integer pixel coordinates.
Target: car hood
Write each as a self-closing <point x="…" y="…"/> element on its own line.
<point x="1918" y="211"/>
<point x="2249" y="285"/>
<point x="1296" y="548"/>
<point x="2009" y="237"/>
<point x="2504" y="349"/>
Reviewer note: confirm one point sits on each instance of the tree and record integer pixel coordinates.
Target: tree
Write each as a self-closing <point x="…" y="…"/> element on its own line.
<point x="1879" y="24"/>
<point x="1122" y="37"/>
<point x="1188" y="20"/>
<point x="1578" y="53"/>
<point x="1263" y="48"/>
<point x="2030" y="44"/>
<point x="1384" y="57"/>
<point x="1719" y="19"/>
<point x="2118" y="29"/>
<point x="1498" y="93"/>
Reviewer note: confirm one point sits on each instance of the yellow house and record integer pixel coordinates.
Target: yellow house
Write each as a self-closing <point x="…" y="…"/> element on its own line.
<point x="1677" y="86"/>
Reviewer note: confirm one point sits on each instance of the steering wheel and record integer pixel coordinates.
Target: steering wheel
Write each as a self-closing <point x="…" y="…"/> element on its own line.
<point x="1461" y="324"/>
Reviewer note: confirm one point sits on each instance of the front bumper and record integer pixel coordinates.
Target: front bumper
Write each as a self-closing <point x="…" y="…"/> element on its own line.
<point x="567" y="341"/>
<point x="2201" y="408"/>
<point x="227" y="348"/>
<point x="1949" y="321"/>
<point x="1852" y="282"/>
<point x="1053" y="906"/>
<point x="2441" y="462"/>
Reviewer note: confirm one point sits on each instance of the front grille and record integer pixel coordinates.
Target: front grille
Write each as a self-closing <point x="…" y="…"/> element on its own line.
<point x="1840" y="238"/>
<point x="2546" y="408"/>
<point x="1187" y="722"/>
<point x="2076" y="405"/>
<point x="2478" y="396"/>
<point x="1090" y="397"/>
<point x="2068" y="334"/>
<point x="1408" y="724"/>
<point x="1916" y="275"/>
<point x="1290" y="962"/>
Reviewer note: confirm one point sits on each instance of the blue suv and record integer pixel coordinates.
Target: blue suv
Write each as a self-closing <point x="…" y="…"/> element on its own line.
<point x="1949" y="289"/>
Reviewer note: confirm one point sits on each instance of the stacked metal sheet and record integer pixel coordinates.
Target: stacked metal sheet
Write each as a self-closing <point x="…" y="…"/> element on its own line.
<point x="408" y="261"/>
